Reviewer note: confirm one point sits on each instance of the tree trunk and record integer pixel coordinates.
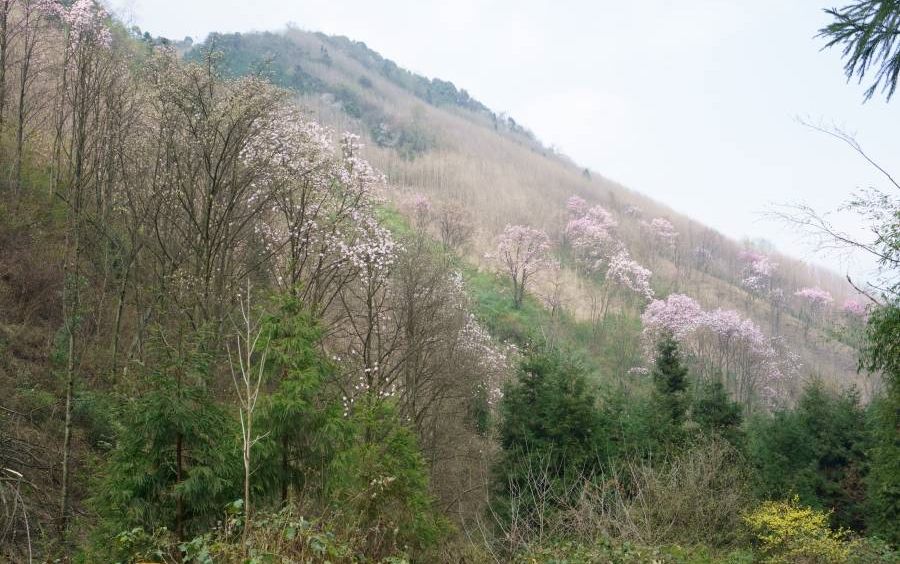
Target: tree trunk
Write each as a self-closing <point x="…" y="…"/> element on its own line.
<point x="71" y="319"/>
<point x="123" y="289"/>
<point x="4" y="55"/>
<point x="179" y="502"/>
<point x="285" y="469"/>
<point x="248" y="434"/>
<point x="20" y="127"/>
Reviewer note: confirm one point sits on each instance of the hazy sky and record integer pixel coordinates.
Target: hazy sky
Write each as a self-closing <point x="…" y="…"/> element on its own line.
<point x="693" y="103"/>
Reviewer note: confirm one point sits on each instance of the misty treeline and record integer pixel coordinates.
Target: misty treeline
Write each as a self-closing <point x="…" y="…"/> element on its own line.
<point x="220" y="344"/>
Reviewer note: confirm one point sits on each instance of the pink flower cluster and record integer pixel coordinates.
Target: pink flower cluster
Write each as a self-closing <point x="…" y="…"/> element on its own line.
<point x="720" y="343"/>
<point x="817" y="297"/>
<point x="492" y="360"/>
<point x="678" y="315"/>
<point x="758" y="272"/>
<point x="576" y="206"/>
<point x="323" y="202"/>
<point x="853" y="308"/>
<point x="663" y="232"/>
<point x="625" y="272"/>
<point x="747" y="255"/>
<point x="421" y="206"/>
<point x="523" y="249"/>
<point x="85" y="19"/>
<point x="371" y="251"/>
<point x="589" y="233"/>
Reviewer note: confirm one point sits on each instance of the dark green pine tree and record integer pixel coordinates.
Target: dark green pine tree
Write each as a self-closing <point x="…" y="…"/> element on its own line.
<point x="551" y="431"/>
<point x="882" y="355"/>
<point x="670" y="381"/>
<point x="716" y="414"/>
<point x="300" y="424"/>
<point x="816" y="451"/>
<point x="171" y="466"/>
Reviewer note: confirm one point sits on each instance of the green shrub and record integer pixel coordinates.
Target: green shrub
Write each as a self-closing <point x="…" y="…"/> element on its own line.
<point x="283" y="536"/>
<point x="379" y="483"/>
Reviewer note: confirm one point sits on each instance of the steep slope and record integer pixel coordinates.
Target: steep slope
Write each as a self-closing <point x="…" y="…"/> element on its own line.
<point x="431" y="138"/>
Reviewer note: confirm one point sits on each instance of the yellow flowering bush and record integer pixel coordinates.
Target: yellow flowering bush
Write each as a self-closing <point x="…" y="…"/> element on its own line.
<point x="789" y="533"/>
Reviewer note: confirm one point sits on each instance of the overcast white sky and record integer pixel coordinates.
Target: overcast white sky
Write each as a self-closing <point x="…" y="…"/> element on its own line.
<point x="693" y="103"/>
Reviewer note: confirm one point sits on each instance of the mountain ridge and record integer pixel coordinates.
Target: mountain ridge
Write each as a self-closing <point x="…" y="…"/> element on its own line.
<point x="429" y="136"/>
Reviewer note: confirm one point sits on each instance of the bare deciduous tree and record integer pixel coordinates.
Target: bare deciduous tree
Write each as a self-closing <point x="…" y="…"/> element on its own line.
<point x="248" y="375"/>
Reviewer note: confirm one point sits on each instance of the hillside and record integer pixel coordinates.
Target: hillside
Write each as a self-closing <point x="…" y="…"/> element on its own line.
<point x="430" y="137"/>
<point x="276" y="299"/>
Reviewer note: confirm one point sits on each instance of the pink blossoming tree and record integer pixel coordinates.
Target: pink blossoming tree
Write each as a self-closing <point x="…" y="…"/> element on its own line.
<point x="663" y="234"/>
<point x="590" y="235"/>
<point x="853" y="308"/>
<point x="522" y="252"/>
<point x="721" y="344"/>
<point x="626" y="277"/>
<point x="422" y="210"/>
<point x="814" y="302"/>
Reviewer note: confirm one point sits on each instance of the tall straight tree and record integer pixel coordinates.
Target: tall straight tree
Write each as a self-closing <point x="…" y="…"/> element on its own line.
<point x="248" y="364"/>
<point x="5" y="9"/>
<point x="32" y="26"/>
<point x="86" y="58"/>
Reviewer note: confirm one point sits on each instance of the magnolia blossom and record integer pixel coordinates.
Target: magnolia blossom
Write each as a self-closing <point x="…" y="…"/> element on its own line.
<point x="663" y="232"/>
<point x="758" y="272"/>
<point x="493" y="361"/>
<point x="750" y="256"/>
<point x="817" y="297"/>
<point x="677" y="315"/>
<point x="729" y="326"/>
<point x="853" y="308"/>
<point x="721" y="343"/>
<point x="522" y="251"/>
<point x="86" y="20"/>
<point x="323" y="231"/>
<point x="589" y="234"/>
<point x="626" y="273"/>
<point x="421" y="208"/>
<point x="576" y="206"/>
<point x="372" y="251"/>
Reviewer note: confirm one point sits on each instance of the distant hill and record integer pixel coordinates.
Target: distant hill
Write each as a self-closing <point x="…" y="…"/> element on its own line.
<point x="432" y="137"/>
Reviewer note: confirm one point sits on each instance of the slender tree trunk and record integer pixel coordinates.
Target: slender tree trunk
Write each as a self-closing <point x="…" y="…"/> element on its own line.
<point x="120" y="306"/>
<point x="20" y="124"/>
<point x="76" y="191"/>
<point x="4" y="55"/>
<point x="285" y="470"/>
<point x="248" y="434"/>
<point x="71" y="320"/>
<point x="179" y="502"/>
